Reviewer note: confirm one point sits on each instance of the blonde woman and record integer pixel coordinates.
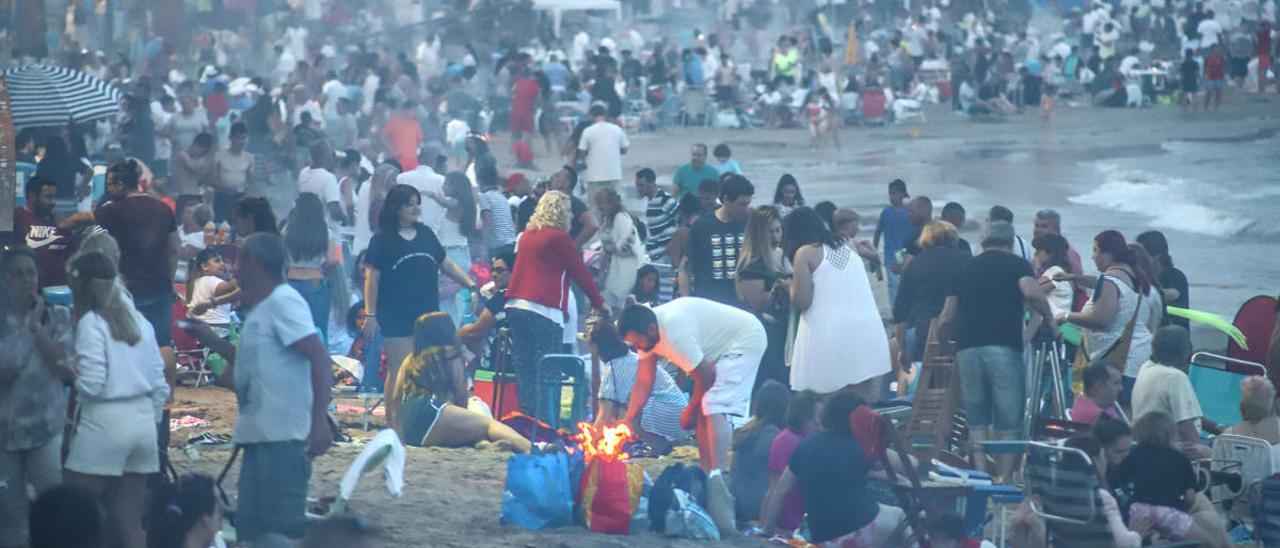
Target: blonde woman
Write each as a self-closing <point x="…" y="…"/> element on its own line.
<point x="121" y="394"/>
<point x="538" y="297"/>
<point x="622" y="247"/>
<point x="922" y="291"/>
<point x="762" y="280"/>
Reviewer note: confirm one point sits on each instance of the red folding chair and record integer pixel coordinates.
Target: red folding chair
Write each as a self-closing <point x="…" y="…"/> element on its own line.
<point x="191" y="355"/>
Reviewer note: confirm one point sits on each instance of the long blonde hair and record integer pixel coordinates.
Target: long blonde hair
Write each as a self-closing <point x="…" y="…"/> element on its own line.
<point x="755" y="241"/>
<point x="94" y="289"/>
<point x="554" y="210"/>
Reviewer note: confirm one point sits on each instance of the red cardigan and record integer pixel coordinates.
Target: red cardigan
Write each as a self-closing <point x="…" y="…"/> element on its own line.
<point x="545" y="262"/>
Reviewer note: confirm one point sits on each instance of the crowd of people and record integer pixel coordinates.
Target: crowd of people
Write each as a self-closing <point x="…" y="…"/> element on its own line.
<point x="342" y="198"/>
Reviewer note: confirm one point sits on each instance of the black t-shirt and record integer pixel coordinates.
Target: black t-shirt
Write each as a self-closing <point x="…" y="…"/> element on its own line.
<point x="964" y="246"/>
<point x="141" y="225"/>
<point x="576" y="209"/>
<point x="1158" y="475"/>
<point x="1031" y="85"/>
<point x="524" y="212"/>
<point x="832" y="474"/>
<point x="1173" y="278"/>
<point x="1190" y="74"/>
<point x="410" y="281"/>
<point x="756" y="270"/>
<point x="923" y="288"/>
<point x="912" y="242"/>
<point x="713" y="257"/>
<point x="990" y="311"/>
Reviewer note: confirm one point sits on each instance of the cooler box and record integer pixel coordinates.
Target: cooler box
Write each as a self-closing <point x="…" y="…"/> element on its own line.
<point x="484" y="389"/>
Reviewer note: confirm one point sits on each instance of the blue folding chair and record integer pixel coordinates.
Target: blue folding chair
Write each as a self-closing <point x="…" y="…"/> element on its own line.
<point x="1216" y="381"/>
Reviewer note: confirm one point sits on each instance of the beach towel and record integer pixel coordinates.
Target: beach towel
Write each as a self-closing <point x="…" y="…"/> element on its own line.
<point x="383" y="448"/>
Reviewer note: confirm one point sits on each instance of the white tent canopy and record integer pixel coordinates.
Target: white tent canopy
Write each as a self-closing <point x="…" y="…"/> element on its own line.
<point x="558" y="7"/>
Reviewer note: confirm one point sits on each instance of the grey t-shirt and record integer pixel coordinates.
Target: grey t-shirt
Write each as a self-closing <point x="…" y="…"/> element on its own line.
<point x="273" y="380"/>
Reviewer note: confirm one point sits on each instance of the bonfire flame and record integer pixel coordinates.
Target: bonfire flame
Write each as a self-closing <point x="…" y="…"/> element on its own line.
<point x="603" y="442"/>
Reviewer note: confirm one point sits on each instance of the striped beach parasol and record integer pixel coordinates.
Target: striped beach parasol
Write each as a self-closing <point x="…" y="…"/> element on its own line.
<point x="46" y="95"/>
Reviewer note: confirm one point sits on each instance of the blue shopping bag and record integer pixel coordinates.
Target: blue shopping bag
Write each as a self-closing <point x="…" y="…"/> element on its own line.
<point x="537" y="494"/>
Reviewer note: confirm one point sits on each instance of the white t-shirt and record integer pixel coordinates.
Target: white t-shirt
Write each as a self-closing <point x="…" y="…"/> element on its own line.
<point x="692" y="330"/>
<point x="426" y="181"/>
<point x="321" y="183"/>
<point x="1209" y="30"/>
<point x="1061" y="296"/>
<point x="1165" y="389"/>
<point x="363" y="229"/>
<point x="273" y="380"/>
<point x="204" y="291"/>
<point x="455" y="131"/>
<point x="603" y="142"/>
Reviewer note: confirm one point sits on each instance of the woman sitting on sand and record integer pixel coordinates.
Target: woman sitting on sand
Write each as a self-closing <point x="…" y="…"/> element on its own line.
<point x="431" y="394"/>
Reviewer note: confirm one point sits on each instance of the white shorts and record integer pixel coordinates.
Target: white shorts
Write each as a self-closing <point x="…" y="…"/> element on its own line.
<point x="113" y="438"/>
<point x="730" y="394"/>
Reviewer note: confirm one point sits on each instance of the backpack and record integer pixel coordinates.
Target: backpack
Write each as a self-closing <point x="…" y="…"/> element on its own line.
<point x="690" y="479"/>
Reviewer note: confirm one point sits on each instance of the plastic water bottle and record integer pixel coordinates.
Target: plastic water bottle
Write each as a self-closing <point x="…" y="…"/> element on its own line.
<point x="224" y="233"/>
<point x="210" y="233"/>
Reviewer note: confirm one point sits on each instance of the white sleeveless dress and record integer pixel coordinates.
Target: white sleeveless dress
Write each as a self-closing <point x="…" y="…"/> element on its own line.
<point x="840" y="339"/>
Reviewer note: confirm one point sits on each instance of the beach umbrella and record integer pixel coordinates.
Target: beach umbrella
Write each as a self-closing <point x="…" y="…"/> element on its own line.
<point x="47" y="95"/>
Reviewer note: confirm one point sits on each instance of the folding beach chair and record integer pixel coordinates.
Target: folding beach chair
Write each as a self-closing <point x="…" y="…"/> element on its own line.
<point x="1065" y="481"/>
<point x="1216" y="381"/>
<point x="937" y="423"/>
<point x="1252" y="460"/>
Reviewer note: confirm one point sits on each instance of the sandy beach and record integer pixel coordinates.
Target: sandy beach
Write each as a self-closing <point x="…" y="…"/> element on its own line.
<point x="453" y="497"/>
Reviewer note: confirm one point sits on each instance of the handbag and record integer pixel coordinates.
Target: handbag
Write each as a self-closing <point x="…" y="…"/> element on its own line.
<point x="1117" y="355"/>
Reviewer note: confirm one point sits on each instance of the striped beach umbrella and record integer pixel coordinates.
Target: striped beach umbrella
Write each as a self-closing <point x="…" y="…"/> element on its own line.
<point x="46" y="95"/>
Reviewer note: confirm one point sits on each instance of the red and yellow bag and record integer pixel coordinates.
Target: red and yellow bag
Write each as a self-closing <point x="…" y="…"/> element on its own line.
<point x="611" y="495"/>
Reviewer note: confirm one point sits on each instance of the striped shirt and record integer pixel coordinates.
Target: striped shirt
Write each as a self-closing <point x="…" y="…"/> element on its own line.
<point x="502" y="230"/>
<point x="661" y="222"/>
<point x="661" y="414"/>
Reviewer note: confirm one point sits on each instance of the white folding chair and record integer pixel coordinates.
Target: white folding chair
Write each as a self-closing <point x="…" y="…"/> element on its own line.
<point x="1252" y="459"/>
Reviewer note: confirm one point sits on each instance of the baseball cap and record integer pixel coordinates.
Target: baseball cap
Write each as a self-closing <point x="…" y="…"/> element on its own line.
<point x="898" y="184"/>
<point x="513" y="180"/>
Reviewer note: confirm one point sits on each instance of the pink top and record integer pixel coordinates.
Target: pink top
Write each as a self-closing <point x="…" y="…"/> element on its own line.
<point x="784" y="444"/>
<point x="1085" y="411"/>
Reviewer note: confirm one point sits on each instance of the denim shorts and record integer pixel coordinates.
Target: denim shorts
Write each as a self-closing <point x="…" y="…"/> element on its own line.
<point x="993" y="382"/>
<point x="273" y="490"/>
<point x="158" y="309"/>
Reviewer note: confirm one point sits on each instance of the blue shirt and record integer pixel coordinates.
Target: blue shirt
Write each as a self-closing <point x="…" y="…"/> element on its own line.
<point x="556" y="73"/>
<point x="894" y="227"/>
<point x="688" y="178"/>
<point x="730" y="166"/>
<point x="693" y="72"/>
